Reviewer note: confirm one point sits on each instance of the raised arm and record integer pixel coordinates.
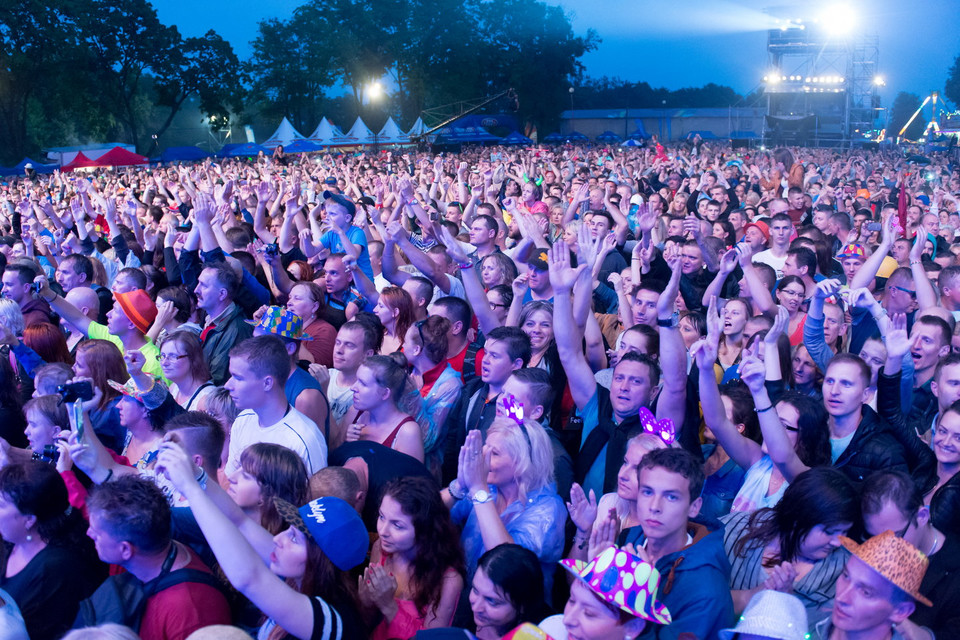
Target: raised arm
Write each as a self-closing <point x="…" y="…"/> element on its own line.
<point x="671" y="402"/>
<point x="728" y="262"/>
<point x="741" y="449"/>
<point x="926" y="295"/>
<point x="238" y="559"/>
<point x="66" y="310"/>
<point x="486" y="318"/>
<point x="779" y="448"/>
<point x="868" y="271"/>
<point x="418" y="258"/>
<point x="580" y="378"/>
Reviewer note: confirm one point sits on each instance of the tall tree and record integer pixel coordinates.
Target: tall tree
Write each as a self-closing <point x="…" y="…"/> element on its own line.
<point x="127" y="42"/>
<point x="205" y="68"/>
<point x="39" y="57"/>
<point x="292" y="64"/>
<point x="904" y="106"/>
<point x="952" y="89"/>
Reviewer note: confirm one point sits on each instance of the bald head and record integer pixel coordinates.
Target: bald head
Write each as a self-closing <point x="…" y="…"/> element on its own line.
<point x="85" y="299"/>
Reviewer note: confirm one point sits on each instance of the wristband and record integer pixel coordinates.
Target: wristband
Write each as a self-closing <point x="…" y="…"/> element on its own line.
<point x="458" y="493"/>
<point x="764" y="410"/>
<point x="669" y="323"/>
<point x="465" y="265"/>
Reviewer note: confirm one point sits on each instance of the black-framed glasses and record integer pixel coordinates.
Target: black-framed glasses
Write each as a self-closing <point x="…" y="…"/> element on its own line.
<point x="497" y="305"/>
<point x="909" y="292"/>
<point x="419" y="326"/>
<point x="171" y="357"/>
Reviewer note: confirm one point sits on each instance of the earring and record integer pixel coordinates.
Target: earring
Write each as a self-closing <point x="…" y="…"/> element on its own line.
<point x="29" y="538"/>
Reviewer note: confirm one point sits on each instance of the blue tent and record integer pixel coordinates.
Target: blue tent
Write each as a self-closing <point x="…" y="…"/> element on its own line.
<point x="632" y="143"/>
<point x="301" y="146"/>
<point x="576" y="136"/>
<point x="241" y="150"/>
<point x="18" y="170"/>
<point x="554" y="137"/>
<point x="515" y="137"/>
<point x="608" y="136"/>
<point x="173" y="154"/>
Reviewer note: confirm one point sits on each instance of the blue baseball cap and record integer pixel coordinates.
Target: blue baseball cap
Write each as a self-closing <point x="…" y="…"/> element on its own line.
<point x="342" y="201"/>
<point x="334" y="525"/>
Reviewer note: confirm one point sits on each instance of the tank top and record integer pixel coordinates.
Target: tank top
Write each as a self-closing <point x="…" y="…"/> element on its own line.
<point x="388" y="441"/>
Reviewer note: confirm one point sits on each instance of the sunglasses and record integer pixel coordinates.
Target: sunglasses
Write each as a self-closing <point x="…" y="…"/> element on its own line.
<point x="909" y="292"/>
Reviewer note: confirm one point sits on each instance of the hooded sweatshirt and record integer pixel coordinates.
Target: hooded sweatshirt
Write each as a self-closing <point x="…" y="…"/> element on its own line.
<point x="694" y="583"/>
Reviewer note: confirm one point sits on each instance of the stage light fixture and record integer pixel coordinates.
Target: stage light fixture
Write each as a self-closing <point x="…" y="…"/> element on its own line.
<point x="839" y="20"/>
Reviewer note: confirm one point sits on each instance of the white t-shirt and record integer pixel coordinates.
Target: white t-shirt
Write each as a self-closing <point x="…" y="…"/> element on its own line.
<point x="339" y="397"/>
<point x="767" y="257"/>
<point x="294" y="431"/>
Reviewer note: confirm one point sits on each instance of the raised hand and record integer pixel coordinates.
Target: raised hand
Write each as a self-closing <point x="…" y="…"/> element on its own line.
<point x="780" y="324"/>
<point x="728" y="261"/>
<point x="752" y="372"/>
<point x="562" y="275"/>
<point x="704" y="353"/>
<point x="583" y="509"/>
<point x="827" y="288"/>
<point x="896" y="337"/>
<point x="473" y="463"/>
<point x="174" y="462"/>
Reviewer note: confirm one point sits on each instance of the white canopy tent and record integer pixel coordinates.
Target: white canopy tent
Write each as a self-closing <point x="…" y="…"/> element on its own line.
<point x="360" y="134"/>
<point x="391" y="134"/>
<point x="284" y="135"/>
<point x="417" y="129"/>
<point x="327" y="135"/>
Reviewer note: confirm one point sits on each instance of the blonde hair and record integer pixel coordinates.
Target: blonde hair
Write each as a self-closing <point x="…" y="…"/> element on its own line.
<point x="11" y="316"/>
<point x="533" y="462"/>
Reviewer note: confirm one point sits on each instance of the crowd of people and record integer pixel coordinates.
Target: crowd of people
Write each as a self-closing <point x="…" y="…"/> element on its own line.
<point x="387" y="394"/>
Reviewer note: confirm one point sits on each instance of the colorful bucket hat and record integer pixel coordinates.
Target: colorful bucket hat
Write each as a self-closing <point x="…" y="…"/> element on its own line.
<point x="527" y="631"/>
<point x="852" y="250"/>
<point x="623" y="580"/>
<point x="895" y="559"/>
<point x="282" y="322"/>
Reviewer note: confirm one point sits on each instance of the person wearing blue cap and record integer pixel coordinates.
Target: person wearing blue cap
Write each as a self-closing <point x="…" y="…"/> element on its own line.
<point x="344" y="236"/>
<point x="297" y="578"/>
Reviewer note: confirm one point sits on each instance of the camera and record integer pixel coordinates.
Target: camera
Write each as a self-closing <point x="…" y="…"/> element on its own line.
<point x="271" y="250"/>
<point x="74" y="391"/>
<point x="50" y="454"/>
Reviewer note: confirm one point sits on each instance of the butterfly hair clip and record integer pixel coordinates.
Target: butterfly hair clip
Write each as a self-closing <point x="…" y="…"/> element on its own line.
<point x="663" y="429"/>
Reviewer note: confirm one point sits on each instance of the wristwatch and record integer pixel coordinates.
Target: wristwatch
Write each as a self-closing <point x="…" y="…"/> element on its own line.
<point x="669" y="323"/>
<point x="481" y="496"/>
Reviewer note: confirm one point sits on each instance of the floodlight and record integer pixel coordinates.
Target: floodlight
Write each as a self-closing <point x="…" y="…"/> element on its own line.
<point x="374" y="90"/>
<point x="839" y="20"/>
<point x="772" y="78"/>
<point x="879" y="81"/>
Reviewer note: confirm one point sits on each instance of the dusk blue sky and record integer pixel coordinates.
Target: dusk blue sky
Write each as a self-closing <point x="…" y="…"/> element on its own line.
<point x="674" y="43"/>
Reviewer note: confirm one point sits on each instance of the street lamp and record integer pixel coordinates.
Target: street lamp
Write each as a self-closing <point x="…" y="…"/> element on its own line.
<point x="571" y="98"/>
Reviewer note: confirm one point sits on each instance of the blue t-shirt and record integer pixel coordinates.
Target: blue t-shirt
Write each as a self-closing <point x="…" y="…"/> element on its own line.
<point x="331" y="241"/>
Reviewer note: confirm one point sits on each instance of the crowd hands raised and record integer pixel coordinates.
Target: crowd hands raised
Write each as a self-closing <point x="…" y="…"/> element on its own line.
<point x="384" y="395"/>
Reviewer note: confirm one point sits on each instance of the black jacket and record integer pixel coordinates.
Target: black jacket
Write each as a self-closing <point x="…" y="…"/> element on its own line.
<point x="941" y="585"/>
<point x="228" y="332"/>
<point x="873" y="448"/>
<point x="920" y="458"/>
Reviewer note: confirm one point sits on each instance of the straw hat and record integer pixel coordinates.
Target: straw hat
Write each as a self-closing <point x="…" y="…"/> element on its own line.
<point x="771" y="614"/>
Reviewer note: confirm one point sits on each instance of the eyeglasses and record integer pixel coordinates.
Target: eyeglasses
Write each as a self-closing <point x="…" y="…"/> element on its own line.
<point x="419" y="327"/>
<point x="171" y="357"/>
<point x="909" y="292"/>
<point x="497" y="305"/>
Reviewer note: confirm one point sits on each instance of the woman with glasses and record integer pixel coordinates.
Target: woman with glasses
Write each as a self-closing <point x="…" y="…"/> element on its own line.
<point x="376" y="415"/>
<point x="183" y="364"/>
<point x="425" y="348"/>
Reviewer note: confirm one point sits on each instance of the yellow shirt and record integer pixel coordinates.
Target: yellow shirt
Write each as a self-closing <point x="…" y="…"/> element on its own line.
<point x="150" y="351"/>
